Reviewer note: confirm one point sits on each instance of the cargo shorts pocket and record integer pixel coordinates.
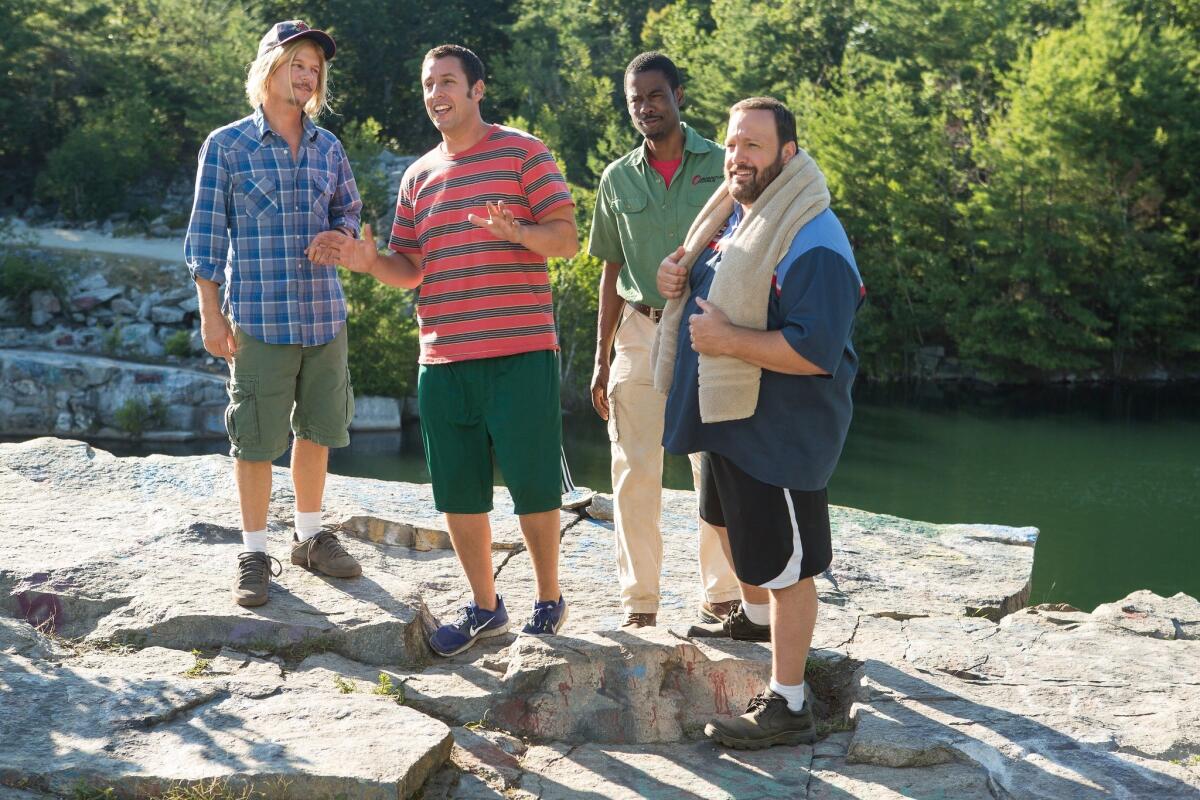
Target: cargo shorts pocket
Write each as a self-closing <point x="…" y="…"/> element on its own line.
<point x="349" y="400"/>
<point x="241" y="415"/>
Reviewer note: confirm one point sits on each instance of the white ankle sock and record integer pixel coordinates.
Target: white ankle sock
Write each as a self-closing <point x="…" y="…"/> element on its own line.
<point x="793" y="694"/>
<point x="758" y="613"/>
<point x="308" y="524"/>
<point x="254" y="541"/>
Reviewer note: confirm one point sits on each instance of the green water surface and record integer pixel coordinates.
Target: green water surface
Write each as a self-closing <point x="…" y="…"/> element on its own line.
<point x="1110" y="475"/>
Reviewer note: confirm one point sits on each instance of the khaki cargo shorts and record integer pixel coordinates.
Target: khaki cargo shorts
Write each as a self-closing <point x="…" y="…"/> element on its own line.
<point x="277" y="388"/>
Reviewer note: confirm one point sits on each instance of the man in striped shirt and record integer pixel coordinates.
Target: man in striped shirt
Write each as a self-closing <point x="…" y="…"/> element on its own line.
<point x="476" y="219"/>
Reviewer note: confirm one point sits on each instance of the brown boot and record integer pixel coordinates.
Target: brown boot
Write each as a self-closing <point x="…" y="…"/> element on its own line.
<point x="324" y="553"/>
<point x="717" y="612"/>
<point x="767" y="721"/>
<point x="736" y="626"/>
<point x="253" y="578"/>
<point x="634" y="619"/>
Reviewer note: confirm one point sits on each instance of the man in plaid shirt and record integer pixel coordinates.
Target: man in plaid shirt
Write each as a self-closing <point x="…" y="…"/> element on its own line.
<point x="266" y="186"/>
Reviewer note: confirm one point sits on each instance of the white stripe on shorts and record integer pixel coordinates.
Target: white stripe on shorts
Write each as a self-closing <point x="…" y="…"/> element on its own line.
<point x="791" y="572"/>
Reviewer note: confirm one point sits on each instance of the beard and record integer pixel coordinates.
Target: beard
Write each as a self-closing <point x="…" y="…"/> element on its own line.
<point x="759" y="181"/>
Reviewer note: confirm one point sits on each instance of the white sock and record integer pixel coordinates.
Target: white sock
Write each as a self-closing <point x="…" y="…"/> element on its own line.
<point x="758" y="613"/>
<point x="254" y="541"/>
<point x="793" y="694"/>
<point x="308" y="524"/>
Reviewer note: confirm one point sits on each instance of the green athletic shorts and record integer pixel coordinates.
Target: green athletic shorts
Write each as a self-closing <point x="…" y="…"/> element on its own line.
<point x="493" y="412"/>
<point x="274" y="388"/>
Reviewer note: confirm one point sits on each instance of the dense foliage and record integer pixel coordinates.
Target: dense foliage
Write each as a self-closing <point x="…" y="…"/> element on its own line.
<point x="1018" y="177"/>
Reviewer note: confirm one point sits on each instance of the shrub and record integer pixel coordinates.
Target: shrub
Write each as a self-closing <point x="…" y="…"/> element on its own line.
<point x="179" y="344"/>
<point x="383" y="337"/>
<point x="21" y="275"/>
<point x="90" y="172"/>
<point x="135" y="416"/>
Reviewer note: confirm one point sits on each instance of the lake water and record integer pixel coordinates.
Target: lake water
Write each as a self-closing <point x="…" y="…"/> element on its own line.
<point x="1110" y="475"/>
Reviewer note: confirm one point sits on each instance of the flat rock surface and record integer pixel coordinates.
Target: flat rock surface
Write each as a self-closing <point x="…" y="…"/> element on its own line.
<point x="931" y="677"/>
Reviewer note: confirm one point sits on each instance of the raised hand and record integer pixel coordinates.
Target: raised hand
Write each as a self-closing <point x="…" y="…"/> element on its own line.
<point x="672" y="278"/>
<point x="335" y="247"/>
<point x="500" y="223"/>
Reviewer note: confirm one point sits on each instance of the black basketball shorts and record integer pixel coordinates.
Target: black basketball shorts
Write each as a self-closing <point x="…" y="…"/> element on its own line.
<point x="778" y="536"/>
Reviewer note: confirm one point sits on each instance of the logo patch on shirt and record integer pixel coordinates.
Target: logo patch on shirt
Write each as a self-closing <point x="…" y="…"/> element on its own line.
<point x="699" y="179"/>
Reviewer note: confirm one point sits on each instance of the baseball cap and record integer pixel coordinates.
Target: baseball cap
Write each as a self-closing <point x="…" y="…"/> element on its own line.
<point x="283" y="32"/>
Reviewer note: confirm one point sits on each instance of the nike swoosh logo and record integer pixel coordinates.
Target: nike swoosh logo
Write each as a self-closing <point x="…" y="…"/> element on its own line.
<point x="475" y="630"/>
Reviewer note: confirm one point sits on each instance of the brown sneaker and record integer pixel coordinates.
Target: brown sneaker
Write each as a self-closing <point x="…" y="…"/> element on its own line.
<point x="634" y="619"/>
<point x="717" y="612"/>
<point x="736" y="626"/>
<point x="324" y="553"/>
<point x="253" y="578"/>
<point x="767" y="721"/>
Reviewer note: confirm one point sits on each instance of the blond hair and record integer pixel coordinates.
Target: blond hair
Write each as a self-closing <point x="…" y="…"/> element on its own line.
<point x="265" y="65"/>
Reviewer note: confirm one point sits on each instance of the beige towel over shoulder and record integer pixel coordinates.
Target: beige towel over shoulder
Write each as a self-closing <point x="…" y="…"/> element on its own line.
<point x="742" y="285"/>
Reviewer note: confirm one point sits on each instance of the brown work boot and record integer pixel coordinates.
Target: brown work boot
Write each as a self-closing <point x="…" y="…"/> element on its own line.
<point x="634" y="619"/>
<point x="324" y="553"/>
<point x="736" y="626"/>
<point x="767" y="721"/>
<point x="717" y="612"/>
<point x="253" y="578"/>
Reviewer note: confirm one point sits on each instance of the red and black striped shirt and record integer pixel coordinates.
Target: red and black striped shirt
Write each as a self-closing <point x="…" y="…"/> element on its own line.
<point x="480" y="297"/>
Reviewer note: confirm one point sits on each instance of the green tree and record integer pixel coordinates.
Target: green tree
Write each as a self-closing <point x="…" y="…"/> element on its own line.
<point x="116" y="91"/>
<point x="1085" y="221"/>
<point x="377" y="71"/>
<point x="562" y="78"/>
<point x="732" y="49"/>
<point x="892" y="177"/>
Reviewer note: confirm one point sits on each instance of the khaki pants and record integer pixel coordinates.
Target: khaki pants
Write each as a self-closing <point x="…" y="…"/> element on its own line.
<point x="635" y="429"/>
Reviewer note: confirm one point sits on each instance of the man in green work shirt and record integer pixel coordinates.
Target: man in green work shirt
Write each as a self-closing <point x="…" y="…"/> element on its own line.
<point x="645" y="204"/>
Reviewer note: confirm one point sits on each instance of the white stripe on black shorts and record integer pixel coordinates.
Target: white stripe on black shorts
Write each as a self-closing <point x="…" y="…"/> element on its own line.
<point x="778" y="536"/>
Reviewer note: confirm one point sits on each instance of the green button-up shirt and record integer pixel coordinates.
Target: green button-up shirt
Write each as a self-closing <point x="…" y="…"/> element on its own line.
<point x="639" y="221"/>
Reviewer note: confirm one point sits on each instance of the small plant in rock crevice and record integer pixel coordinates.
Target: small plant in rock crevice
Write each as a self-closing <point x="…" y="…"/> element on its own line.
<point x="387" y="688"/>
<point x="201" y="668"/>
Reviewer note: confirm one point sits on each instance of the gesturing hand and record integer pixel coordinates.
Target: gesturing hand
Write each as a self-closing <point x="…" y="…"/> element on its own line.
<point x="710" y="329"/>
<point x="672" y="278"/>
<point x="500" y="223"/>
<point x="335" y="247"/>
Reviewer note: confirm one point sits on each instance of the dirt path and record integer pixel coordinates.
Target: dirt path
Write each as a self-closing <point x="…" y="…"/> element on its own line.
<point x="95" y="242"/>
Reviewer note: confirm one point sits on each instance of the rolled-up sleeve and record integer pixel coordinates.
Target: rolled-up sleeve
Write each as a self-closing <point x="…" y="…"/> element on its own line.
<point x="819" y="297"/>
<point x="206" y="246"/>
<point x="345" y="207"/>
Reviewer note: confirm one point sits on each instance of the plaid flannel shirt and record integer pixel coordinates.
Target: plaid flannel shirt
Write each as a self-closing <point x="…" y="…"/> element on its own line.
<point x="256" y="210"/>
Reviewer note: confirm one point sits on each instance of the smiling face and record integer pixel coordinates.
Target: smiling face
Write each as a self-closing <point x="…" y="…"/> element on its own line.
<point x="653" y="104"/>
<point x="451" y="103"/>
<point x="298" y="77"/>
<point x="753" y="157"/>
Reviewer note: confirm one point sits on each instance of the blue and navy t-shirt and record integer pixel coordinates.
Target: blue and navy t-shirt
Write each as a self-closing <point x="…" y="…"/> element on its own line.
<point x="795" y="436"/>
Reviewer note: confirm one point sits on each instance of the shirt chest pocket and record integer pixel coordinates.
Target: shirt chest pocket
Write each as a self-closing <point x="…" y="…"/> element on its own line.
<point x="321" y="189"/>
<point x="258" y="196"/>
<point x="629" y="207"/>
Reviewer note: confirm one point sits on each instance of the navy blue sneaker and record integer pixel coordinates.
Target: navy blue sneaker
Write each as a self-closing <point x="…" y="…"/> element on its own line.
<point x="548" y="617"/>
<point x="473" y="624"/>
